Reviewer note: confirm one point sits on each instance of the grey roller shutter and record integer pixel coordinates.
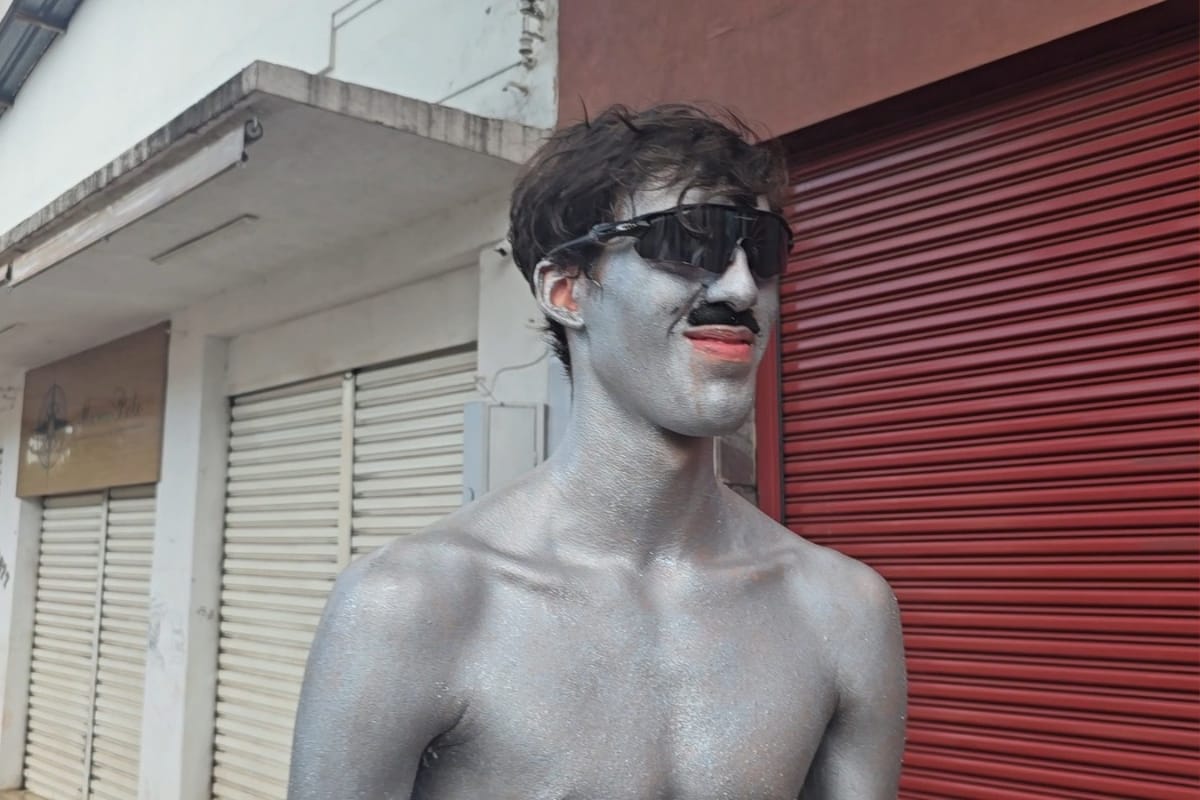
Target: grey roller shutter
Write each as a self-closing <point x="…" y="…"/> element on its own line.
<point x="408" y="446"/>
<point x="281" y="557"/>
<point x="62" y="674"/>
<point x="318" y="473"/>
<point x="120" y="671"/>
<point x="89" y="645"/>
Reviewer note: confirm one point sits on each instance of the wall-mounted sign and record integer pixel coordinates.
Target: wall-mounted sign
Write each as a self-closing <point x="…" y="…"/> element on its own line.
<point x="95" y="420"/>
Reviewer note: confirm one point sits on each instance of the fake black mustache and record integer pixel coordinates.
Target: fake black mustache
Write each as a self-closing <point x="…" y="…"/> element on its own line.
<point x="722" y="314"/>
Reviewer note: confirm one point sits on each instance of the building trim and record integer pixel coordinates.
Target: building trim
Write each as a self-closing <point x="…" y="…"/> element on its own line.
<point x="209" y="117"/>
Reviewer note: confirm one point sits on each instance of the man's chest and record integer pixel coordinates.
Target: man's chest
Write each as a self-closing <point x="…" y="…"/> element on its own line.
<point x="727" y="699"/>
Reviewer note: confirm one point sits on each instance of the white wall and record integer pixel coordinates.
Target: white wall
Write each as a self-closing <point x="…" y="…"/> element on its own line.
<point x="19" y="532"/>
<point x="432" y="314"/>
<point x="126" y="67"/>
<point x="446" y="240"/>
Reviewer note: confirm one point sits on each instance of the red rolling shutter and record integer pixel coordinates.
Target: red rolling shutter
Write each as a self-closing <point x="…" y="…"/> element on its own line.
<point x="989" y="389"/>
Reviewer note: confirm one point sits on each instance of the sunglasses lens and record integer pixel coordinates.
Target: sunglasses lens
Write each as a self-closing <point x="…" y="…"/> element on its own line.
<point x="706" y="237"/>
<point x="671" y="239"/>
<point x="769" y="243"/>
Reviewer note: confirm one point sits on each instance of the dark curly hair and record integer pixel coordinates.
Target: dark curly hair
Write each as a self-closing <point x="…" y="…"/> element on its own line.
<point x="583" y="172"/>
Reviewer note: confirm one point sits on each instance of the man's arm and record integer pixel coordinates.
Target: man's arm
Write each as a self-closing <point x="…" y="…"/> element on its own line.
<point x="859" y="758"/>
<point x="374" y="693"/>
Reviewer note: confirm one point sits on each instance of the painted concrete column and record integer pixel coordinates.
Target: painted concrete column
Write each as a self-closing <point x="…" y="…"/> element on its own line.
<point x="20" y="530"/>
<point x="181" y="658"/>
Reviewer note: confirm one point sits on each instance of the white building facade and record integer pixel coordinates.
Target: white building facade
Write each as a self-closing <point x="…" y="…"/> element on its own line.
<point x="312" y="196"/>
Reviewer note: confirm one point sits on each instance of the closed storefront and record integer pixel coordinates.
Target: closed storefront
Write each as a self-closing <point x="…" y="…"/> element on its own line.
<point x="319" y="473"/>
<point x="988" y="392"/>
<point x="89" y="645"/>
<point x="90" y="433"/>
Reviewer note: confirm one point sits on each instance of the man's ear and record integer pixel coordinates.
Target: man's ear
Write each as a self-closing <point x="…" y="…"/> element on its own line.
<point x="554" y="287"/>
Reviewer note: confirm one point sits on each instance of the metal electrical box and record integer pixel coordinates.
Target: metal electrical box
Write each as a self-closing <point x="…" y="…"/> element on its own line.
<point x="501" y="441"/>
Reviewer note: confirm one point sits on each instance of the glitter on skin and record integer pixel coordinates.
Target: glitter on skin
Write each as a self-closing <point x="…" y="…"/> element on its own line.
<point x="616" y="624"/>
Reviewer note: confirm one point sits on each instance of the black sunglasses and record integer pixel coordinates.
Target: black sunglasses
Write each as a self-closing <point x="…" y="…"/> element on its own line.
<point x="702" y="235"/>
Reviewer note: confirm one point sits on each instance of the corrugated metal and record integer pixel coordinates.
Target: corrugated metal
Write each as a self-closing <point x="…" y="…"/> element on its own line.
<point x="89" y="646"/>
<point x="120" y="671"/>
<point x="989" y="371"/>
<point x="281" y="557"/>
<point x="408" y="446"/>
<point x="64" y="629"/>
<point x="23" y="40"/>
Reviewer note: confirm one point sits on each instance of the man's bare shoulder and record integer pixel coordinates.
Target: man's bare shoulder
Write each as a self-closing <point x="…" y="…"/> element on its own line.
<point x="411" y="605"/>
<point x="823" y="578"/>
<point x="412" y="576"/>
<point x="849" y="617"/>
<point x="440" y="571"/>
<point x="383" y="677"/>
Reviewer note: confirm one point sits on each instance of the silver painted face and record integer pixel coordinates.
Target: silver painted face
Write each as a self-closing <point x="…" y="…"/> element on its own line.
<point x="636" y="341"/>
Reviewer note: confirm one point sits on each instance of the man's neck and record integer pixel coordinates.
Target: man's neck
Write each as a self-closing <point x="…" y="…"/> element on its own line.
<point x="630" y="490"/>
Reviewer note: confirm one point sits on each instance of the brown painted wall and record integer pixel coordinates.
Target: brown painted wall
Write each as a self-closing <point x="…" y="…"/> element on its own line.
<point x="786" y="64"/>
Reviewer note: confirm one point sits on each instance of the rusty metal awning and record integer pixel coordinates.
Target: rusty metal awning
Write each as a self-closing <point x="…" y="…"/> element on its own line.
<point x="27" y="30"/>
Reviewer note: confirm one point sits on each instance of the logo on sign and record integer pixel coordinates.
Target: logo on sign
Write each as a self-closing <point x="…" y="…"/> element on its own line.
<point x="49" y="439"/>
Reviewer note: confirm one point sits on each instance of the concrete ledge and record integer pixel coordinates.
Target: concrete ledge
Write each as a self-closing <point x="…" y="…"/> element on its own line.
<point x="216" y="113"/>
<point x="510" y="141"/>
<point x="200" y="123"/>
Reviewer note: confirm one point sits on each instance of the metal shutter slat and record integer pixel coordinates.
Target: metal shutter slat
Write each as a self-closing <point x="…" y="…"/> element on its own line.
<point x="387" y="465"/>
<point x="415" y="411"/>
<point x="417" y="370"/>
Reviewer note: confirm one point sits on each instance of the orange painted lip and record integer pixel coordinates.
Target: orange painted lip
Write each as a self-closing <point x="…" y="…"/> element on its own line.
<point x="737" y="352"/>
<point x="734" y="334"/>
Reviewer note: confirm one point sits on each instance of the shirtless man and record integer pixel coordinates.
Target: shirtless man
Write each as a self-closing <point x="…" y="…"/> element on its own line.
<point x="618" y="625"/>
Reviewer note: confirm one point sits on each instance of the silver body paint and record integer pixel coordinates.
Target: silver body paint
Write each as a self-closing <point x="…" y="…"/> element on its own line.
<point x="617" y="625"/>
